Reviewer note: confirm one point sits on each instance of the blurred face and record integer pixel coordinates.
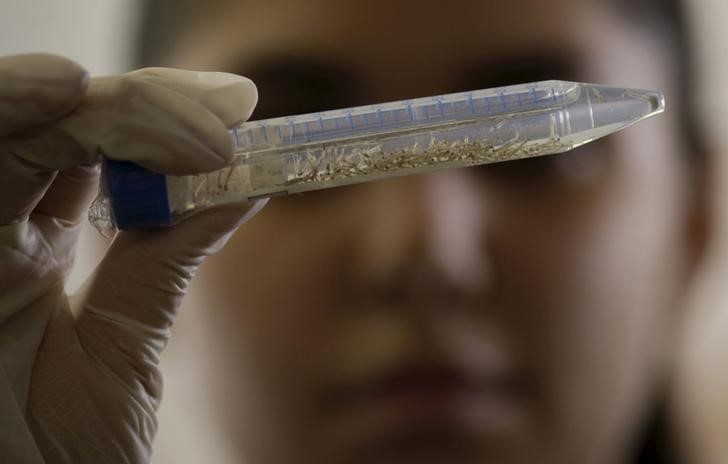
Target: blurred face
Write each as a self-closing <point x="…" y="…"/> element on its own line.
<point x="513" y="313"/>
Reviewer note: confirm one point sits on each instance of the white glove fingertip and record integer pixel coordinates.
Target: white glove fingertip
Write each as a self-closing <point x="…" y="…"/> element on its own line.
<point x="230" y="97"/>
<point x="234" y="102"/>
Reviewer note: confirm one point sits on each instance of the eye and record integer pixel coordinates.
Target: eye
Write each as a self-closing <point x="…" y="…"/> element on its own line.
<point x="531" y="170"/>
<point x="580" y="166"/>
<point x="289" y="86"/>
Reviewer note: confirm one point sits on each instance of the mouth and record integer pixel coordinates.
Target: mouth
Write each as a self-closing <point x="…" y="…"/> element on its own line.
<point x="427" y="396"/>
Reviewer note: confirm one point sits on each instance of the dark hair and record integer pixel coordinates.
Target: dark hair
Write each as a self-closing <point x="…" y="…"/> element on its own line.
<point x="668" y="19"/>
<point x="165" y="20"/>
<point x="161" y="23"/>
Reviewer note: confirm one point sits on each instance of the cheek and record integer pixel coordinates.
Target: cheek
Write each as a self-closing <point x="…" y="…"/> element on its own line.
<point x="588" y="276"/>
<point x="269" y="298"/>
<point x="284" y="270"/>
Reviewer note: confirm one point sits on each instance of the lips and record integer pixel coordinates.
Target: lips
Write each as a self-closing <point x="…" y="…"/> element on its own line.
<point x="419" y="395"/>
<point x="421" y="385"/>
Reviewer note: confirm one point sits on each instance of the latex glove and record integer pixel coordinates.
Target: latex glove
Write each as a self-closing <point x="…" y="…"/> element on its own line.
<point x="79" y="378"/>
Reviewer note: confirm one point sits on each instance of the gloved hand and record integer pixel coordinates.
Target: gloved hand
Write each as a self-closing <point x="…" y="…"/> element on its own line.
<point x="79" y="377"/>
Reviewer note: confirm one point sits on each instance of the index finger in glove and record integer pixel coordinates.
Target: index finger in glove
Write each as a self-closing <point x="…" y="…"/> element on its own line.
<point x="231" y="97"/>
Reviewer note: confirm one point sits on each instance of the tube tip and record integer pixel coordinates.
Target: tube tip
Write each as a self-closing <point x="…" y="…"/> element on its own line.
<point x="653" y="101"/>
<point x="656" y="101"/>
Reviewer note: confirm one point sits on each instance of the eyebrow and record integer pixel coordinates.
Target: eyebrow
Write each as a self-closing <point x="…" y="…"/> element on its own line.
<point x="520" y="69"/>
<point x="299" y="85"/>
<point x="291" y="85"/>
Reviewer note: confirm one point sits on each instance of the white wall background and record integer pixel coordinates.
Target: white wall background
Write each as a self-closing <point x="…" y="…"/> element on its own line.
<point x="98" y="34"/>
<point x="95" y="33"/>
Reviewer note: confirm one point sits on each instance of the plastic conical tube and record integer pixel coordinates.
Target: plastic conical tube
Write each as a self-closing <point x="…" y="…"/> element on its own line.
<point x="321" y="150"/>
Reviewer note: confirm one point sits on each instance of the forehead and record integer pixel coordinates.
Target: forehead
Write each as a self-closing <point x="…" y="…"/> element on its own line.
<point x="366" y="30"/>
<point x="371" y="31"/>
<point x="399" y="47"/>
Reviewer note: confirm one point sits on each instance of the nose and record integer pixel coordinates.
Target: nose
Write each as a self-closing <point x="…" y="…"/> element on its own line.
<point x="424" y="241"/>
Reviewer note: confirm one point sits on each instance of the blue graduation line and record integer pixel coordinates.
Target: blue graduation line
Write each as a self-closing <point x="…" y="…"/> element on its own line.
<point x="469" y="96"/>
<point x="502" y="98"/>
